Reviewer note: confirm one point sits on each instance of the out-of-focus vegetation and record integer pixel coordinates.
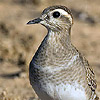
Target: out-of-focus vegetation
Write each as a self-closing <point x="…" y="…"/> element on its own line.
<point x="18" y="41"/>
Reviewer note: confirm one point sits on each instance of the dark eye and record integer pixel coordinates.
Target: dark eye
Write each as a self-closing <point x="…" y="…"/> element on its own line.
<point x="56" y="14"/>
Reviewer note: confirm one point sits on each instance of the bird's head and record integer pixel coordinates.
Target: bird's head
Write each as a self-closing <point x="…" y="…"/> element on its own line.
<point x="55" y="18"/>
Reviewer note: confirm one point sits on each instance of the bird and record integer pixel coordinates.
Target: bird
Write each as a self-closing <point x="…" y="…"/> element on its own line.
<point x="58" y="71"/>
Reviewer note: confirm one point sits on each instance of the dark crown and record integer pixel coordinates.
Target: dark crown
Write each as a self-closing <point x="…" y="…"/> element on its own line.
<point x="51" y="8"/>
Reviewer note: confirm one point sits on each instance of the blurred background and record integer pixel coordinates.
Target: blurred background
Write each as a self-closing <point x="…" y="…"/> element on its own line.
<point x="18" y="41"/>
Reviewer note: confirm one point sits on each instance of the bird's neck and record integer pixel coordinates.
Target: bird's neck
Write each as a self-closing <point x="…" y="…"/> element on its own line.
<point x="59" y="38"/>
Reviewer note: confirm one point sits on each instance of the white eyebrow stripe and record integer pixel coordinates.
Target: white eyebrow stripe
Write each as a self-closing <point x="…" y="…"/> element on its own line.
<point x="63" y="12"/>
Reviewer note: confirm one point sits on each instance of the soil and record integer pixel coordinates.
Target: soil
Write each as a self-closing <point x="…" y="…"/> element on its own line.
<point x="19" y="42"/>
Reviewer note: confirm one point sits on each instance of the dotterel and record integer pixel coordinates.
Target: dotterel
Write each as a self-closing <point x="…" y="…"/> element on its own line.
<point x="58" y="71"/>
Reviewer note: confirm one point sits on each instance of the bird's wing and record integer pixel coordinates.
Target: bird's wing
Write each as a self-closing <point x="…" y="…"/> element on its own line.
<point x="90" y="74"/>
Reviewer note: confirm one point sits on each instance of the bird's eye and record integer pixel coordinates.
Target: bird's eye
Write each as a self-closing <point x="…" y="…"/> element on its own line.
<point x="56" y="14"/>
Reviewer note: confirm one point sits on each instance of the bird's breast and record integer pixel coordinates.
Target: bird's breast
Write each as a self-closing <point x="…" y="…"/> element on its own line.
<point x="56" y="85"/>
<point x="62" y="92"/>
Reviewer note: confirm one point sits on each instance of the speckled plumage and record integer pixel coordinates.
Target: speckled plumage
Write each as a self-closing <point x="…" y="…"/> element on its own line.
<point x="58" y="71"/>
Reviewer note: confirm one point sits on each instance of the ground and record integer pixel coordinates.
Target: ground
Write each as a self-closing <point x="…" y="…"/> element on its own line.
<point x="18" y="41"/>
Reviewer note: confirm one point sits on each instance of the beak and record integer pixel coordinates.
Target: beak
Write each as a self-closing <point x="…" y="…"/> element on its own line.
<point x="35" y="21"/>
